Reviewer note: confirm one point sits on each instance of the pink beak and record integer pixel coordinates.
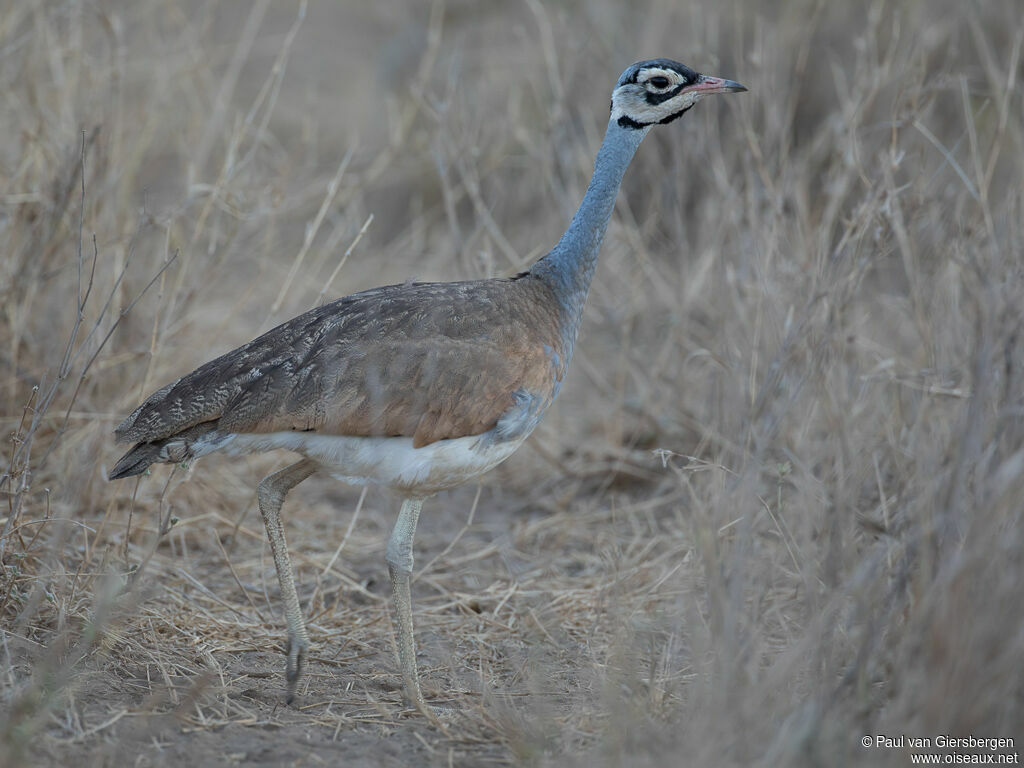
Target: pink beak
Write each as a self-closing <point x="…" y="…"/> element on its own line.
<point x="708" y="84"/>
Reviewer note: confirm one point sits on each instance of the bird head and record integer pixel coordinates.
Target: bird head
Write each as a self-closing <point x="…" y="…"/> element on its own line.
<point x="660" y="90"/>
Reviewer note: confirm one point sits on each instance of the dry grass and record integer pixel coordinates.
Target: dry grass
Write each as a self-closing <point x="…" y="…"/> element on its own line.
<point x="777" y="507"/>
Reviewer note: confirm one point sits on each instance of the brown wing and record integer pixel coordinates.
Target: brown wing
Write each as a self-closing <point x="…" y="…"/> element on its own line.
<point x="428" y="361"/>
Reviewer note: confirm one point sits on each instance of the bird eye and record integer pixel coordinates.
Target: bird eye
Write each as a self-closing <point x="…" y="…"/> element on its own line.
<point x="659" y="81"/>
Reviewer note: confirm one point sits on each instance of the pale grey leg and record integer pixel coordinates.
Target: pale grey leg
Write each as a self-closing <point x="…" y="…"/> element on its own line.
<point x="399" y="557"/>
<point x="270" y="493"/>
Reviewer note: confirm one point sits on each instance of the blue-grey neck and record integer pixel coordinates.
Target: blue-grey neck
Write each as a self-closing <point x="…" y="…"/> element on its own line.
<point x="569" y="267"/>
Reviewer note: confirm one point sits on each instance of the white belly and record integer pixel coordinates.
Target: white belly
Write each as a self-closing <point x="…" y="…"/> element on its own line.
<point x="389" y="461"/>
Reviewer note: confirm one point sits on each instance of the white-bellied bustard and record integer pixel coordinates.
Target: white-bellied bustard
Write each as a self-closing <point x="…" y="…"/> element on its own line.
<point x="418" y="387"/>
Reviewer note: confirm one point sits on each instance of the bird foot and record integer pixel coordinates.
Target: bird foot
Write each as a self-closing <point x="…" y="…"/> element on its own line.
<point x="439" y="717"/>
<point x="296" y="653"/>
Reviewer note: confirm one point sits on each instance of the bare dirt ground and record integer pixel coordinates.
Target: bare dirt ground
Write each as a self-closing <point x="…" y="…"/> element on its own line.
<point x="776" y="509"/>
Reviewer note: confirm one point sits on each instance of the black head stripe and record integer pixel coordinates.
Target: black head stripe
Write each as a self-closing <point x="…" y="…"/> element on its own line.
<point x="676" y="116"/>
<point x="629" y="122"/>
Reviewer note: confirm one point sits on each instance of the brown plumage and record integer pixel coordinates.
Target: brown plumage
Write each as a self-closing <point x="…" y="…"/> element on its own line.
<point x="431" y="361"/>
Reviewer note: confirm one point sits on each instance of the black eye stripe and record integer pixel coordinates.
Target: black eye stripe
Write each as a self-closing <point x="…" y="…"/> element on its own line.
<point x="658" y="98"/>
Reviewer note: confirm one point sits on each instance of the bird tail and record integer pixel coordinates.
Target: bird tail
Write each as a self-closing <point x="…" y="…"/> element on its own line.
<point x="184" y="446"/>
<point x="137" y="460"/>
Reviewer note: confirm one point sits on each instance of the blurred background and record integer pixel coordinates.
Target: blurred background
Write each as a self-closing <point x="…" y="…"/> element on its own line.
<point x="777" y="507"/>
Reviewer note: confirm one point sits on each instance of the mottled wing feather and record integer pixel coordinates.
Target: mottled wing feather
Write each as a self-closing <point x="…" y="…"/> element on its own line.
<point x="428" y="390"/>
<point x="429" y="361"/>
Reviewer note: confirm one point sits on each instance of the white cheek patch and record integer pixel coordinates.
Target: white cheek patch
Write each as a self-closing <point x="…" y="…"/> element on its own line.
<point x="632" y="104"/>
